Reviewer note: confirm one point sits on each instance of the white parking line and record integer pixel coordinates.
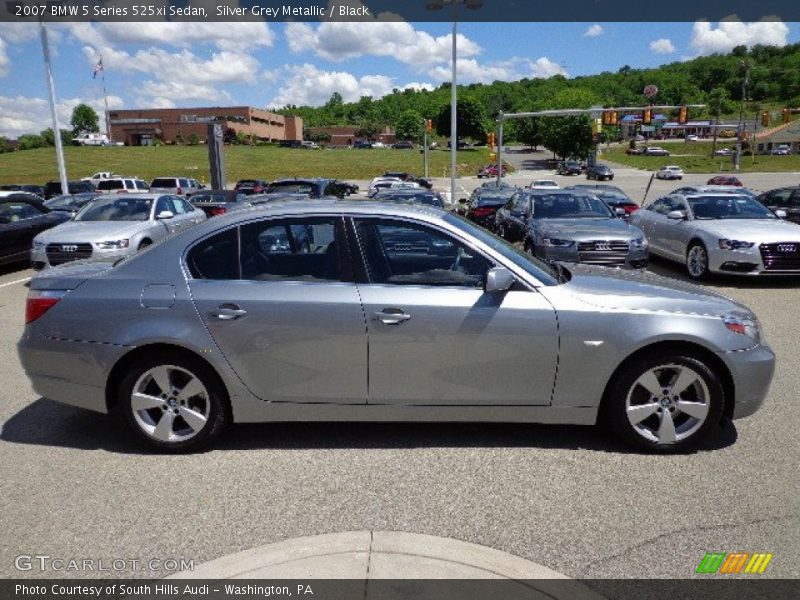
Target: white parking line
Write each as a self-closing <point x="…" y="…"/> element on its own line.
<point x="2" y="285"/>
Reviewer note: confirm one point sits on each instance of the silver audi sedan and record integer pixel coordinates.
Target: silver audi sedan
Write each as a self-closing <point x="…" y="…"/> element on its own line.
<point x="307" y="311"/>
<point x="726" y="233"/>
<point x="113" y="226"/>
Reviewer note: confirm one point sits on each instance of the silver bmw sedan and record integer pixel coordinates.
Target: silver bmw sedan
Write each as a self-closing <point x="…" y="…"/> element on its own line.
<point x="308" y="311"/>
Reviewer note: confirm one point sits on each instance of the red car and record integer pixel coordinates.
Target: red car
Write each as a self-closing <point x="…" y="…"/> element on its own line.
<point x="490" y="171"/>
<point x="725" y="180"/>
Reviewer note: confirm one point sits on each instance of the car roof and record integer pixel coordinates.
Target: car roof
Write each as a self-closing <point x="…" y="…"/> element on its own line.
<point x="19" y="195"/>
<point x="301" y="180"/>
<point x="141" y="196"/>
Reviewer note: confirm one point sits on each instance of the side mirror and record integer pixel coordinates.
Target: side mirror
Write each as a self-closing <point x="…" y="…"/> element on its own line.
<point x="781" y="214"/>
<point x="620" y="212"/>
<point x="676" y="215"/>
<point x="498" y="279"/>
<point x="165" y="214"/>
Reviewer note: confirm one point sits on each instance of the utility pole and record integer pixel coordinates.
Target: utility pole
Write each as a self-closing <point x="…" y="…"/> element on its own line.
<point x="737" y="157"/>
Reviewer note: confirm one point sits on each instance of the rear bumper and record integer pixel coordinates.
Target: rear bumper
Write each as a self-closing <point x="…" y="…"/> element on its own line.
<point x="70" y="372"/>
<point x="752" y="372"/>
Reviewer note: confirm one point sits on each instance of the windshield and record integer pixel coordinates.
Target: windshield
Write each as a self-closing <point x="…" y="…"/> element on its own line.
<point x="111" y="184"/>
<point x="164" y="182"/>
<point x="118" y="209"/>
<point x="563" y="206"/>
<point x="494" y="198"/>
<point x="731" y="207"/>
<point x="544" y="272"/>
<point x="61" y="202"/>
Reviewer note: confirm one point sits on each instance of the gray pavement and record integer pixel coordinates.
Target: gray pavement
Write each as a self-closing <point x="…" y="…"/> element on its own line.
<point x="571" y="499"/>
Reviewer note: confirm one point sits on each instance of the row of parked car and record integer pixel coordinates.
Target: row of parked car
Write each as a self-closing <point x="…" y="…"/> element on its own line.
<point x="710" y="229"/>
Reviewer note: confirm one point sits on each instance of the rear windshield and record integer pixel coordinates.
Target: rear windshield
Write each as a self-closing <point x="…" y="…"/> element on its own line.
<point x="494" y="199"/>
<point x="291" y="187"/>
<point x="111" y="184"/>
<point x="164" y="182"/>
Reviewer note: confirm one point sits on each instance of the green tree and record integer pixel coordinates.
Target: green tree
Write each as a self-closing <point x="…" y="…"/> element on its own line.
<point x="471" y="120"/>
<point x="5" y="145"/>
<point x="718" y="102"/>
<point x="31" y="141"/>
<point x="84" y="118"/>
<point x="568" y="137"/>
<point x="408" y="125"/>
<point x="530" y="132"/>
<point x="49" y="139"/>
<point x="368" y="130"/>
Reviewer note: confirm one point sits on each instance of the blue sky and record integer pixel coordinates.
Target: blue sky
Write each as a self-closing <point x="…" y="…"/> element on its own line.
<point x="259" y="64"/>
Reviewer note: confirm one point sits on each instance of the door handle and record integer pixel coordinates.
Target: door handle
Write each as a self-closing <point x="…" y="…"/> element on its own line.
<point x="228" y="312"/>
<point x="391" y="316"/>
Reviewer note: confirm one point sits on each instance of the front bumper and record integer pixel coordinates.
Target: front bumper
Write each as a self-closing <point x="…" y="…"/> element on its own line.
<point x="40" y="261"/>
<point x="752" y="372"/>
<point x="751" y="262"/>
<point x="635" y="257"/>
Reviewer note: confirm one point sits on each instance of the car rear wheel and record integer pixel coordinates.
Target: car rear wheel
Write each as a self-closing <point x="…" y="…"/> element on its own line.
<point x="664" y="403"/>
<point x="697" y="261"/>
<point x="173" y="403"/>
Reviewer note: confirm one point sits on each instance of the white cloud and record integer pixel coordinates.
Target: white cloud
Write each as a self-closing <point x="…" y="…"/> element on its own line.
<point x="593" y="31"/>
<point x="159" y="91"/>
<point x="21" y="114"/>
<point x="19" y="33"/>
<point x="731" y="32"/>
<point x="339" y="41"/>
<point x="472" y="71"/>
<point x="307" y="85"/>
<point x="662" y="46"/>
<point x="417" y="86"/>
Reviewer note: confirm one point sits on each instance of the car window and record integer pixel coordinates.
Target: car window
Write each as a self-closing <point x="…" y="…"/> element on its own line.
<point x="779" y="198"/>
<point x="291" y="250"/>
<point x="110" y="184"/>
<point x="216" y="257"/>
<point x="661" y="206"/>
<point x="140" y="185"/>
<point x="178" y="204"/>
<point x="165" y="203"/>
<point x="402" y="253"/>
<point x="187" y="206"/>
<point x="183" y="183"/>
<point x="18" y="211"/>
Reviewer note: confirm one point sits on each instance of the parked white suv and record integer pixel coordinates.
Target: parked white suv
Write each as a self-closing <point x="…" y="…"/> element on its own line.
<point x="100" y="176"/>
<point x="180" y="186"/>
<point x="121" y="185"/>
<point x="670" y="172"/>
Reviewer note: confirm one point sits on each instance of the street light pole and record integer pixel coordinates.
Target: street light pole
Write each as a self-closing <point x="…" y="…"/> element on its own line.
<point x="738" y="155"/>
<point x="48" y="71"/>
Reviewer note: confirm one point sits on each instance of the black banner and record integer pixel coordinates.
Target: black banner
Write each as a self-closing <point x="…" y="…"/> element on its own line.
<point x="396" y="10"/>
<point x="401" y="589"/>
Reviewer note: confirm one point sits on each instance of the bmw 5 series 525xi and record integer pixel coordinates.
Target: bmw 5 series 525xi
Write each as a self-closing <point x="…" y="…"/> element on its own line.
<point x="309" y="311"/>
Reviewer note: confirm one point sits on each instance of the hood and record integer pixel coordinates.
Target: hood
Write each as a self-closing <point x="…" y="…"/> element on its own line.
<point x="641" y="290"/>
<point x="588" y="229"/>
<point x="759" y="231"/>
<point x="91" y="231"/>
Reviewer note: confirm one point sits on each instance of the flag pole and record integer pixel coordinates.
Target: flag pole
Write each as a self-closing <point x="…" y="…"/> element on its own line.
<point x="48" y="71"/>
<point x="105" y="97"/>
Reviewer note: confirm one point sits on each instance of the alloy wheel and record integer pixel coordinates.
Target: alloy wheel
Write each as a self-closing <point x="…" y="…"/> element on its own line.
<point x="668" y="403"/>
<point x="697" y="261"/>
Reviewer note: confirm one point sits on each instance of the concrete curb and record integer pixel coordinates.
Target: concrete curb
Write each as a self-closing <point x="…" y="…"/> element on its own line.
<point x="364" y="555"/>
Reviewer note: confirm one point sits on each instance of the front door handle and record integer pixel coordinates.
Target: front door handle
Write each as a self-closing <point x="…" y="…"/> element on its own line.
<point x="228" y="312"/>
<point x="391" y="316"/>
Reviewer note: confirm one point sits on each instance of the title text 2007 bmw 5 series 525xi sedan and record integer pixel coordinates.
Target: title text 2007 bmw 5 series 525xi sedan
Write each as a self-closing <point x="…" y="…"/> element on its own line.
<point x="342" y="311"/>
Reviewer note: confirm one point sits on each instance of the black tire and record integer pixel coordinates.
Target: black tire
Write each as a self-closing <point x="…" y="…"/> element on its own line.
<point x="697" y="261"/>
<point x="143" y="244"/>
<point x="218" y="413"/>
<point x="614" y="412"/>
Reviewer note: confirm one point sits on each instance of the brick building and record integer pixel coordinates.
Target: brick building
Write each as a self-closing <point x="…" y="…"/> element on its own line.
<point x="346" y="136"/>
<point x="141" y="127"/>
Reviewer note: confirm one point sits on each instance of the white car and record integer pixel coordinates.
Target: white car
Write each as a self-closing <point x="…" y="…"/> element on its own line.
<point x="655" y="151"/>
<point x="381" y="183"/>
<point x="544" y="184"/>
<point x="692" y="138"/>
<point x="731" y="234"/>
<point x="122" y="185"/>
<point x="670" y="172"/>
<point x="405" y="185"/>
<point x="100" y="176"/>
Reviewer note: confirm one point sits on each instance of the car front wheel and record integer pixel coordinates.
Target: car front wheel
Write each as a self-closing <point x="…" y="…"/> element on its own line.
<point x="665" y="402"/>
<point x="697" y="261"/>
<point x="172" y="403"/>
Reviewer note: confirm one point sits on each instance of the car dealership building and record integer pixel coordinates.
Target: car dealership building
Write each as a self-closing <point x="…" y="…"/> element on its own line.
<point x="142" y="127"/>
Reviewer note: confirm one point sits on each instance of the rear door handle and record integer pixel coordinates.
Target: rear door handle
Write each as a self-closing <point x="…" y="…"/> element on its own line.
<point x="228" y="312"/>
<point x="391" y="316"/>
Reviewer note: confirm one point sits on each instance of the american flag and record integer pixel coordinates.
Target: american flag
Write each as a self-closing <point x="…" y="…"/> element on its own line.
<point x="98" y="67"/>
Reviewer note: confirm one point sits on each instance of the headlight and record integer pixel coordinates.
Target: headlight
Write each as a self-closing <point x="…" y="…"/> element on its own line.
<point x="733" y="244"/>
<point x="556" y="243"/>
<point x="743" y="325"/>
<point x="639" y="243"/>
<point x="113" y="244"/>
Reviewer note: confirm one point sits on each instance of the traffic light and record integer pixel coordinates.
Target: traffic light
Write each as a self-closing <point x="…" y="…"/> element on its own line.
<point x="428" y="125"/>
<point x="683" y="115"/>
<point x="647" y="116"/>
<point x="597" y="126"/>
<point x="787" y="115"/>
<point x="766" y="117"/>
<point x="609" y="117"/>
<point x="490" y="139"/>
<point x="614" y="117"/>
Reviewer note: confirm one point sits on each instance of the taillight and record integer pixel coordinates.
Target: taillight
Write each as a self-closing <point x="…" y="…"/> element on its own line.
<point x="218" y="211"/>
<point x="630" y="208"/>
<point x="179" y="191"/>
<point x="483" y="211"/>
<point x="258" y="189"/>
<point x="40" y="301"/>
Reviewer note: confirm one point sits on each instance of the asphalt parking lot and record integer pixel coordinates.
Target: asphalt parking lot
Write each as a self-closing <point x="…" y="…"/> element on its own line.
<point x="571" y="498"/>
